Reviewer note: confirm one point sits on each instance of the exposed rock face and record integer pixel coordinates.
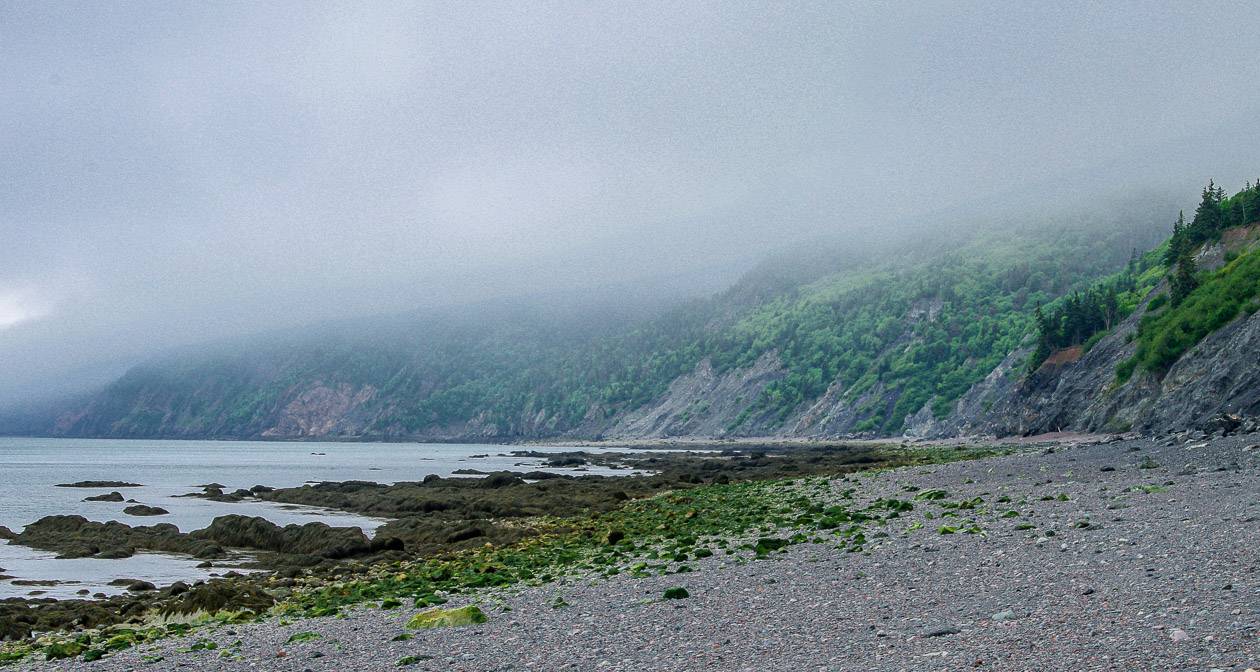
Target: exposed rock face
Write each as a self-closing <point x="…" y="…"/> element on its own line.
<point x="1219" y="375"/>
<point x="703" y="403"/>
<point x="322" y="410"/>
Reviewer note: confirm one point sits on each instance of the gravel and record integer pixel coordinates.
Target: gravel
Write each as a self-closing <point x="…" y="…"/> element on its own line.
<point x="1165" y="577"/>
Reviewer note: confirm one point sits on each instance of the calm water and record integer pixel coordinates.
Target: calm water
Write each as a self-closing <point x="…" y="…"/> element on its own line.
<point x="30" y="468"/>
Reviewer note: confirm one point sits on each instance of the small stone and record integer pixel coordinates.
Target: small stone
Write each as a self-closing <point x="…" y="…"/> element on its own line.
<point x="943" y="631"/>
<point x="1006" y="615"/>
<point x="1178" y="635"/>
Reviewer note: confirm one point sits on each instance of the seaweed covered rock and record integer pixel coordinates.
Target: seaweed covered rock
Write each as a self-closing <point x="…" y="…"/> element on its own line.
<point x="219" y="596"/>
<point x="447" y="618"/>
<point x="426" y="536"/>
<point x="316" y="539"/>
<point x="78" y="537"/>
<point x="114" y="496"/>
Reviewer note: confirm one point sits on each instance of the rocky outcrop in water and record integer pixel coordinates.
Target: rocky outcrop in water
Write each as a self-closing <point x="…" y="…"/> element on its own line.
<point x="317" y="539"/>
<point x="145" y="510"/>
<point x="114" y="496"/>
<point x="78" y="537"/>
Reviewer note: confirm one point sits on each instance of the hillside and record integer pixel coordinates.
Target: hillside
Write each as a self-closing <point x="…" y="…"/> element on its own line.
<point x="933" y="339"/>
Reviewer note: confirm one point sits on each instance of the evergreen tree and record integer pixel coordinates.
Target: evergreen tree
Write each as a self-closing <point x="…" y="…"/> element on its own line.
<point x="1179" y="242"/>
<point x="1183" y="280"/>
<point x="1207" y="217"/>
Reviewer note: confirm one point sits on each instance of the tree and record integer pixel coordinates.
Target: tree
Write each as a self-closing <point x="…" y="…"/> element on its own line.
<point x="1183" y="280"/>
<point x="1179" y="241"/>
<point x="1207" y="217"/>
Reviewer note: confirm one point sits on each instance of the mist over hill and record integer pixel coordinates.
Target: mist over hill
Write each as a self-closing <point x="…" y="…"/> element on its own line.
<point x="821" y="340"/>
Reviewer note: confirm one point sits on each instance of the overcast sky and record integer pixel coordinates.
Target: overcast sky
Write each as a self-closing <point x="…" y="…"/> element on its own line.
<point x="176" y="172"/>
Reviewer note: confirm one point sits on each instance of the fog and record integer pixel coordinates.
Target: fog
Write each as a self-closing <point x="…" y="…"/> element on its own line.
<point x="175" y="173"/>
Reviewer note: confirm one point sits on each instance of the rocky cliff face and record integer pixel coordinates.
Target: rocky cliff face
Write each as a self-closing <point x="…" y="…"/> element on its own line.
<point x="1220" y="375"/>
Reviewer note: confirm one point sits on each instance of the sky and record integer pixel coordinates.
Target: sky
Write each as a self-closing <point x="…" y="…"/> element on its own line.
<point x="175" y="173"/>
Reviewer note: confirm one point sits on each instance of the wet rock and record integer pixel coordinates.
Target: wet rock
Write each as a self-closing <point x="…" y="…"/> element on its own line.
<point x="140" y="586"/>
<point x="501" y="479"/>
<point x="114" y="496"/>
<point x="77" y="537"/>
<point x="218" y="596"/>
<point x="312" y="538"/>
<point x="99" y="484"/>
<point x="145" y="510"/>
<point x="566" y="461"/>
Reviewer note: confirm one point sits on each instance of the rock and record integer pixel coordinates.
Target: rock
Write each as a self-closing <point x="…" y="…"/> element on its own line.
<point x="501" y="480"/>
<point x="114" y="496"/>
<point x="177" y="588"/>
<point x="941" y="631"/>
<point x="77" y="537"/>
<point x="316" y="539"/>
<point x="145" y="510"/>
<point x="1224" y="423"/>
<point x="99" y="484"/>
<point x="1178" y="635"/>
<point x="443" y="618"/>
<point x="140" y="586"/>
<point x="218" y="596"/>
<point x="1006" y="615"/>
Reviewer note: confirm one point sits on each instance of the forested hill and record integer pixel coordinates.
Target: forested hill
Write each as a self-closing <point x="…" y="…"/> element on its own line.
<point x="831" y="343"/>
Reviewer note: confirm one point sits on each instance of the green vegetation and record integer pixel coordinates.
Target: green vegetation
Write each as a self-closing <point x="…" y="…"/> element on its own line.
<point x="676" y="593"/>
<point x="447" y="618"/>
<point x="1164" y="335"/>
<point x="1198" y="303"/>
<point x="1082" y="318"/>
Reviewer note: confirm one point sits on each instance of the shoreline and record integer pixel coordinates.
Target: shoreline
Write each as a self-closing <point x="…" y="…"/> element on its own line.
<point x="1069" y="543"/>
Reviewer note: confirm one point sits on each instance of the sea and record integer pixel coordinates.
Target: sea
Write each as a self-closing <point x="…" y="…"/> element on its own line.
<point x="31" y="469"/>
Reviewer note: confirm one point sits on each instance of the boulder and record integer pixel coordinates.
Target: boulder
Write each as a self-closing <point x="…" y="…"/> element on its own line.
<point x="114" y="496"/>
<point x="447" y="618"/>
